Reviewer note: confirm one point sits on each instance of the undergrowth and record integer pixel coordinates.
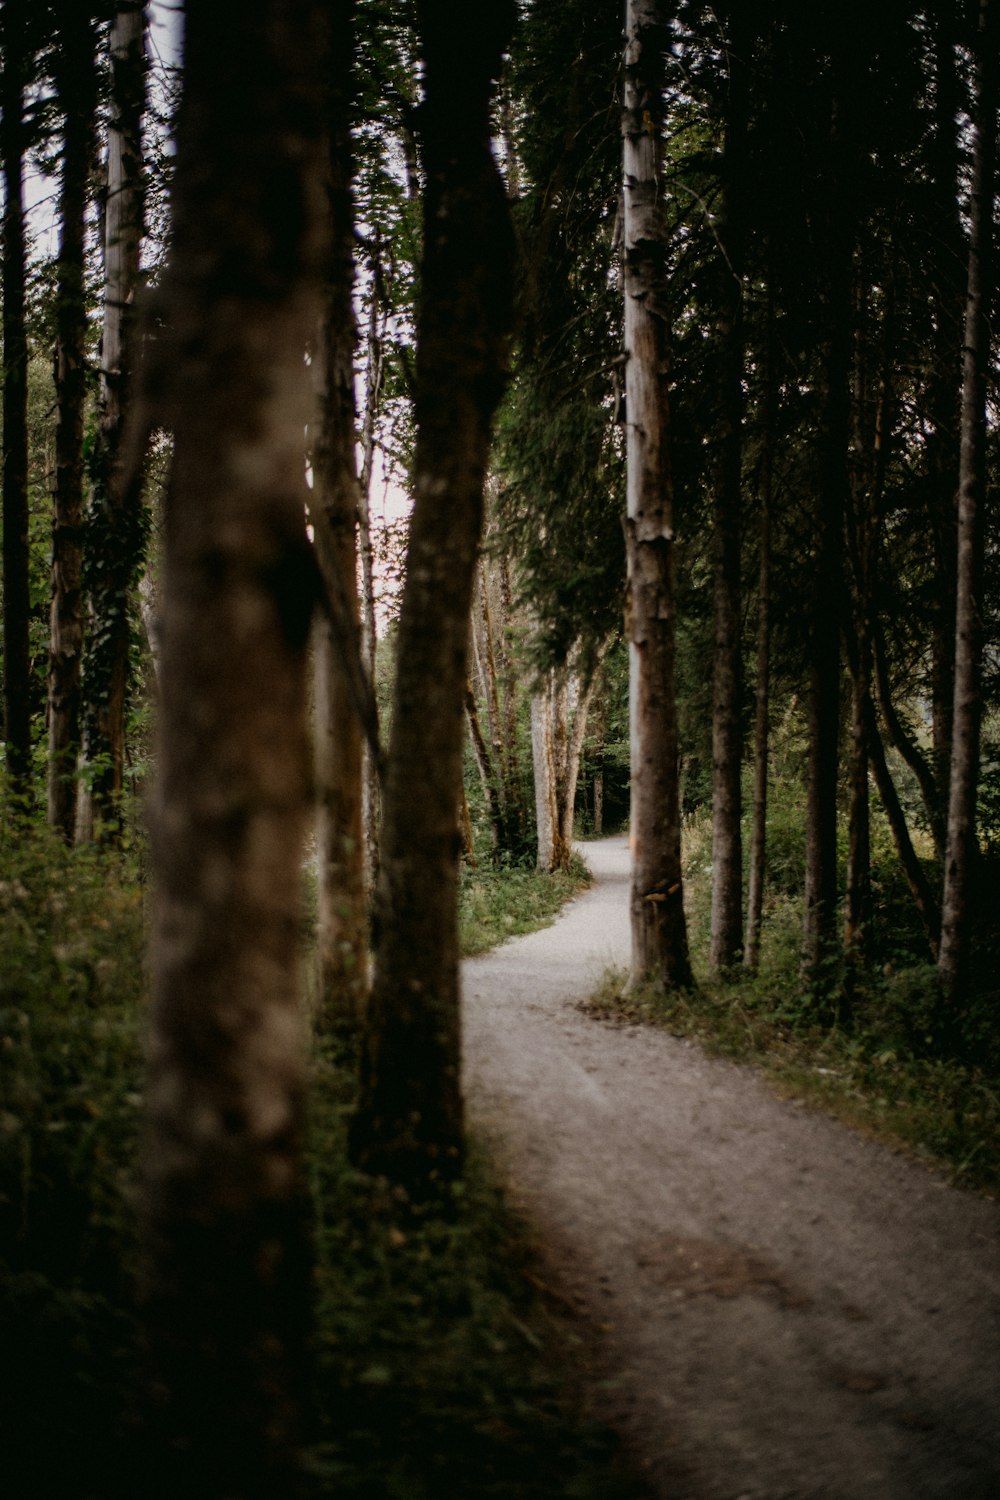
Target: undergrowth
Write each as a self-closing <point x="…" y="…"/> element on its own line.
<point x="873" y="1076"/>
<point x="886" y="1057"/>
<point x="441" y="1358"/>
<point x="440" y="1347"/>
<point x="502" y="901"/>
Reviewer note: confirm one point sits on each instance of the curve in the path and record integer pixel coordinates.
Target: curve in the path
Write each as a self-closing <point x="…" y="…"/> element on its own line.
<point x="787" y="1311"/>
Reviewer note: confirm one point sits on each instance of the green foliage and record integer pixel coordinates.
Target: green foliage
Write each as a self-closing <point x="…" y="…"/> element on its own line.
<point x="897" y="1062"/>
<point x="440" y="1354"/>
<point x="500" y="902"/>
<point x="438" y="1345"/>
<point x="886" y="1076"/>
<point x="71" y="969"/>
<point x="558" y="452"/>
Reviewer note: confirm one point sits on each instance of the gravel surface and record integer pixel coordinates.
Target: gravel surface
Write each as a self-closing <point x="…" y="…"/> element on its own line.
<point x="783" y="1310"/>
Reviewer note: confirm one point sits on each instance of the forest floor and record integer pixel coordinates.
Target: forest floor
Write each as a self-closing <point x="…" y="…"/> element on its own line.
<point x="771" y="1306"/>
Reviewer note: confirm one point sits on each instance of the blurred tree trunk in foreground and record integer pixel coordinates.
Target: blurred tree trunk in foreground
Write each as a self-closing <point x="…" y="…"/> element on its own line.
<point x="226" y="1270"/>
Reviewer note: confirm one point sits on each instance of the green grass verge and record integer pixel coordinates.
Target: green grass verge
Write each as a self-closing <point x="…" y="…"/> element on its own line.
<point x="441" y="1359"/>
<point x="498" y="902"/>
<point x="888" y="1073"/>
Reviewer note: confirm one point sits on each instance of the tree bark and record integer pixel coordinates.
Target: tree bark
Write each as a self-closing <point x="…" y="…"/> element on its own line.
<point x="762" y="689"/>
<point x="659" y="931"/>
<point x="116" y="527"/>
<point x="559" y="713"/>
<point x="17" y="665"/>
<point x="943" y="443"/>
<point x="76" y="88"/>
<point x="917" y="881"/>
<point x="509" y="686"/>
<point x="872" y="405"/>
<point x="374" y="382"/>
<point x="342" y="915"/>
<point x="834" y="221"/>
<point x="544" y="775"/>
<point x="487" y="773"/>
<point x="901" y="738"/>
<point x="409" y="1120"/>
<point x="726" y="940"/>
<point x="961" y="850"/>
<point x="225" y="1261"/>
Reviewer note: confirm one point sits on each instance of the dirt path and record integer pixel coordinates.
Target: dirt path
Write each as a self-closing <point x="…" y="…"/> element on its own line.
<point x="787" y="1311"/>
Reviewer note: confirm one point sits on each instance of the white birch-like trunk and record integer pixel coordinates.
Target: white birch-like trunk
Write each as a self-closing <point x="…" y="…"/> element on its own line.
<point x="543" y="765"/>
<point x="659" y="934"/>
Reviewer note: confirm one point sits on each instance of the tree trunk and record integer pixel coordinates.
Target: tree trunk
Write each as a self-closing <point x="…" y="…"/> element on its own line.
<point x="488" y="665"/>
<point x="956" y="926"/>
<point x="226" y="1269"/>
<point x="834" y="224"/>
<point x="872" y="424"/>
<point x="559" y="715"/>
<point x="487" y="774"/>
<point x="374" y="380"/>
<point x="509" y="685"/>
<point x="913" y="870"/>
<point x="659" y="931"/>
<point x="409" y="1121"/>
<point x="902" y="740"/>
<point x="597" y="761"/>
<point x="17" y="665"/>
<point x="543" y="767"/>
<point x="858" y="916"/>
<point x="762" y="690"/>
<point x="76" y="87"/>
<point x="342" y="915"/>
<point x="574" y="752"/>
<point x="942" y="445"/>
<point x="116" y="528"/>
<point x="726" y="941"/>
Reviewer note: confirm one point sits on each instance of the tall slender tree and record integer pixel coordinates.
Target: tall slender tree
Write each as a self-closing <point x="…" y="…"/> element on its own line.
<point x="727" y="717"/>
<point x="226" y="1276"/>
<point x="342" y="927"/>
<point x="961" y="850"/>
<point x="17" y="666"/>
<point x="832" y="222"/>
<point x="659" y="931"/>
<point x="762" y="684"/>
<point x="116" y="526"/>
<point x="76" y="88"/>
<point x="409" y="1120"/>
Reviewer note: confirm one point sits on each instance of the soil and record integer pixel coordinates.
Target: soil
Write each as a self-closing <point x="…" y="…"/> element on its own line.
<point x="783" y="1309"/>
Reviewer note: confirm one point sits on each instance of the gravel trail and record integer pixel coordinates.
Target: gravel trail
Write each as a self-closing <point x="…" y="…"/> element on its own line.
<point x="785" y="1310"/>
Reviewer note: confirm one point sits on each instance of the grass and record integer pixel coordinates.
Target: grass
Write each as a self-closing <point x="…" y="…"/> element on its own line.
<point x="441" y="1359"/>
<point x="498" y="902"/>
<point x="892" y="1067"/>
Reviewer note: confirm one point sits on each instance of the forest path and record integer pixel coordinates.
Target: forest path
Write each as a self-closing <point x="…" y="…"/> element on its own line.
<point x="786" y="1311"/>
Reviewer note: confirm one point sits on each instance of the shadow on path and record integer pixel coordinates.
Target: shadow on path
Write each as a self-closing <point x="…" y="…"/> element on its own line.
<point x="786" y="1311"/>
